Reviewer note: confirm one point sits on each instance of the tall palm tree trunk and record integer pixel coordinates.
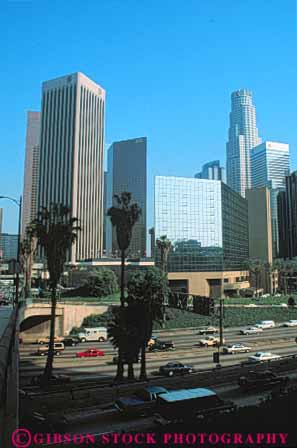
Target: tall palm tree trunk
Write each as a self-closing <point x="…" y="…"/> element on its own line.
<point x="50" y="357"/>
<point x="122" y="278"/>
<point x="131" y="371"/>
<point x="143" y="375"/>
<point x="120" y="366"/>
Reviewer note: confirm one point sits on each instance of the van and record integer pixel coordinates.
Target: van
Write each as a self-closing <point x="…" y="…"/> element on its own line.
<point x="93" y="334"/>
<point x="265" y="324"/>
<point x="58" y="349"/>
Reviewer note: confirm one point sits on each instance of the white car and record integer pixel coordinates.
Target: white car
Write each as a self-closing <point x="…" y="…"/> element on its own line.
<point x="290" y="323"/>
<point x="265" y="295"/>
<point x="263" y="356"/>
<point x="284" y="305"/>
<point x="251" y="330"/>
<point x="265" y="324"/>
<point x="277" y="295"/>
<point x="236" y="348"/>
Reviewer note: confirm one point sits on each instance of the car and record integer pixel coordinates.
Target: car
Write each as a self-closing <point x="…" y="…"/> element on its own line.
<point x="284" y="305"/>
<point x="58" y="349"/>
<point x="250" y="305"/>
<point x="207" y="330"/>
<point x="160" y="345"/>
<point x="265" y="324"/>
<point x="265" y="379"/>
<point x="251" y="330"/>
<point x="141" y="403"/>
<point x="263" y="356"/>
<point x="46" y="339"/>
<point x="210" y="341"/>
<point x="277" y="295"/>
<point x="175" y="368"/>
<point x="91" y="353"/>
<point x="71" y="341"/>
<point x="290" y="323"/>
<point x="54" y="380"/>
<point x="236" y="348"/>
<point x="265" y="295"/>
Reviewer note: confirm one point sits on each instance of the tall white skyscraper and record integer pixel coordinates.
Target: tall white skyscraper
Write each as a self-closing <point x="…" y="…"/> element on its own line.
<point x="243" y="136"/>
<point x="270" y="164"/>
<point x="31" y="169"/>
<point x="71" y="156"/>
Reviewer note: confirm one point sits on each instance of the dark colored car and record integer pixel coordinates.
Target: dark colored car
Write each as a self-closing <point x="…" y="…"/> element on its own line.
<point x="71" y="341"/>
<point x="54" y="380"/>
<point x="160" y="345"/>
<point x="261" y="380"/>
<point x="175" y="368"/>
<point x="142" y="402"/>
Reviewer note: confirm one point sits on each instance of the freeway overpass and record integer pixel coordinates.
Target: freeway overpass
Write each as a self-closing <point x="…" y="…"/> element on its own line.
<point x="35" y="318"/>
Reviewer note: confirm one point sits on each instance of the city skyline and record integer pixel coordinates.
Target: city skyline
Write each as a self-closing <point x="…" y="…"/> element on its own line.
<point x="141" y="103"/>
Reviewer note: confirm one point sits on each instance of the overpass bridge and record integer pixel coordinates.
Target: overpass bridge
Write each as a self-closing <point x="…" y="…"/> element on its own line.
<point x="34" y="318"/>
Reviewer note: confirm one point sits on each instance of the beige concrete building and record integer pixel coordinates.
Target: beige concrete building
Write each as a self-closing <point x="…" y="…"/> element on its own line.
<point x="209" y="284"/>
<point x="259" y="217"/>
<point x="31" y="169"/>
<point x="71" y="156"/>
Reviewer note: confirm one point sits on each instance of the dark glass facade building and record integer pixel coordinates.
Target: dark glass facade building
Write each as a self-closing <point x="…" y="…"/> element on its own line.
<point x="127" y="172"/>
<point x="205" y="220"/>
<point x="287" y="215"/>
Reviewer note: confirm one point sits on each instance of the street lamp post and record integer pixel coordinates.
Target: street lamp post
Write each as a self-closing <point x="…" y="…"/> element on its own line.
<point x="17" y="280"/>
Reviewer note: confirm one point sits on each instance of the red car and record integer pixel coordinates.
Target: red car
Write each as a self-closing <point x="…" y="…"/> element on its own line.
<point x="91" y="353"/>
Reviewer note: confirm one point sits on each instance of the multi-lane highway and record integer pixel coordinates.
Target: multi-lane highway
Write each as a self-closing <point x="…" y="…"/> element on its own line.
<point x="279" y="340"/>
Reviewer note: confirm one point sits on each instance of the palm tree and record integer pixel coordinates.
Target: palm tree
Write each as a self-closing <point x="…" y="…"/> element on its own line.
<point x="27" y="252"/>
<point x="146" y="291"/>
<point x="256" y="268"/>
<point x="124" y="216"/>
<point x="56" y="231"/>
<point x="164" y="245"/>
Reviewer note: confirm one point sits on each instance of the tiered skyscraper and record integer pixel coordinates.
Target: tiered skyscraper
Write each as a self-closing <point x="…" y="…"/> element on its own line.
<point x="127" y="172"/>
<point x="270" y="164"/>
<point x="31" y="169"/>
<point x="71" y="156"/>
<point x="243" y="136"/>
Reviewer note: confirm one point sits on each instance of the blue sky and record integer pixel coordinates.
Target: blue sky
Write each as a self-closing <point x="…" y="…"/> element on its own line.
<point x="168" y="67"/>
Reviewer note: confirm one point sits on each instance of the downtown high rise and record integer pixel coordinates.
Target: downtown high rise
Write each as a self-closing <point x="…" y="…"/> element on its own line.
<point x="127" y="165"/>
<point x="270" y="164"/>
<point x="243" y="136"/>
<point x="71" y="156"/>
<point x="31" y="169"/>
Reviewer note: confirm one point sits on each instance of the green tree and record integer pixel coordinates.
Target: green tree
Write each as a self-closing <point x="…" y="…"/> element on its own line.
<point x="256" y="269"/>
<point x="56" y="231"/>
<point x="123" y="332"/>
<point x="146" y="291"/>
<point x="164" y="245"/>
<point x="124" y="216"/>
<point x="27" y="251"/>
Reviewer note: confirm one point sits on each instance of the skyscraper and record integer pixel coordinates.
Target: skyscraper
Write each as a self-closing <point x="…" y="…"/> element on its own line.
<point x="71" y="156"/>
<point x="212" y="170"/>
<point x="287" y="214"/>
<point x="243" y="136"/>
<point x="31" y="169"/>
<point x="270" y="164"/>
<point x="127" y="172"/>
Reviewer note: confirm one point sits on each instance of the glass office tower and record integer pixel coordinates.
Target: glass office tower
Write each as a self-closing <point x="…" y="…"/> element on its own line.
<point x="270" y="164"/>
<point x="205" y="220"/>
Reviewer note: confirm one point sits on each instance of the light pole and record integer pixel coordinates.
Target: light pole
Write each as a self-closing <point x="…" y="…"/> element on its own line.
<point x="17" y="280"/>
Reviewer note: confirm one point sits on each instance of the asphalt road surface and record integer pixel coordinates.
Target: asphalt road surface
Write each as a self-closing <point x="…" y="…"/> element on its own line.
<point x="279" y="340"/>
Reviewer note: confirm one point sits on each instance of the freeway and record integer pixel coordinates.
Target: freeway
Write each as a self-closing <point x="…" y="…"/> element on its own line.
<point x="279" y="340"/>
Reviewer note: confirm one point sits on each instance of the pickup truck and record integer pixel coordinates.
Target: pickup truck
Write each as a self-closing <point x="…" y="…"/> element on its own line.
<point x="261" y="380"/>
<point x="159" y="345"/>
<point x="141" y="403"/>
<point x="210" y="341"/>
<point x="185" y="404"/>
